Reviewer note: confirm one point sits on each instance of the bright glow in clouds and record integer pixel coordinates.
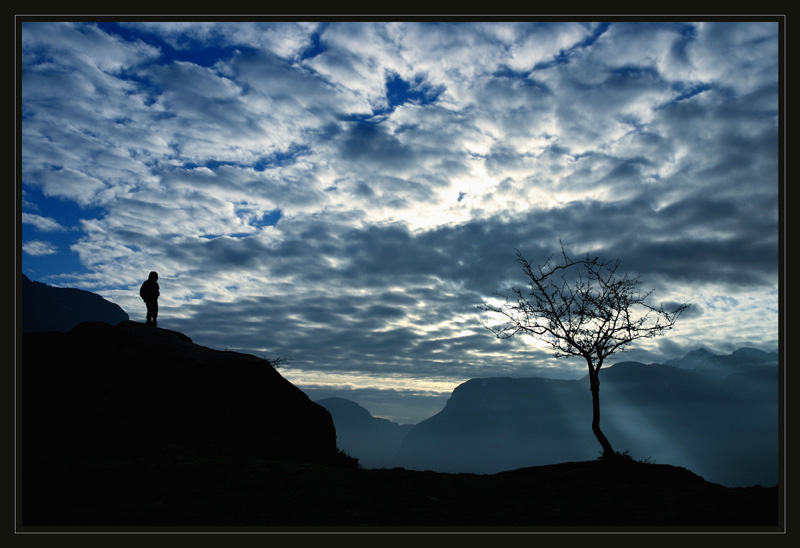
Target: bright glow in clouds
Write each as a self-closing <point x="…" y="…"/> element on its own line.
<point x="316" y="379"/>
<point x="346" y="194"/>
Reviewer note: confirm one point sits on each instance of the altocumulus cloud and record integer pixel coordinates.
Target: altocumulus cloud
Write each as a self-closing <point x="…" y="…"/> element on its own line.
<point x="345" y="194"/>
<point x="35" y="247"/>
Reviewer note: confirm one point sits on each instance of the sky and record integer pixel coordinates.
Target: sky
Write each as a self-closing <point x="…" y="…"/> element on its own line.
<point x="343" y="195"/>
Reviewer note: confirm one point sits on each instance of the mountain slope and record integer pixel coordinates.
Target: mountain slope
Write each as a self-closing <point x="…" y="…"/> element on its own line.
<point x="494" y="424"/>
<point x="372" y="440"/>
<point x="136" y="389"/>
<point x="724" y="429"/>
<point x="716" y="366"/>
<point x="48" y="308"/>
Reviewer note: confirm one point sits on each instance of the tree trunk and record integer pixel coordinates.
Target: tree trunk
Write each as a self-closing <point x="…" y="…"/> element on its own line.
<point x="594" y="381"/>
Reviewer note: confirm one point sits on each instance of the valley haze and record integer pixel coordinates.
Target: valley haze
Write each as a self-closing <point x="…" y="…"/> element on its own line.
<point x="718" y="416"/>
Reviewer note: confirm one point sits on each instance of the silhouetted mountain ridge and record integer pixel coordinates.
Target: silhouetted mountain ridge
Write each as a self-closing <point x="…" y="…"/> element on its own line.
<point x="691" y="359"/>
<point x="48" y="308"/>
<point x="718" y="366"/>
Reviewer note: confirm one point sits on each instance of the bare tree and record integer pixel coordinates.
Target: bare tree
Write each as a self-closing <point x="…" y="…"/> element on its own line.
<point x="582" y="308"/>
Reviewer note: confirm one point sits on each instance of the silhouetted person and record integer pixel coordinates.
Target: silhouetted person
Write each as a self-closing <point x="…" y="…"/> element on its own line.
<point x="149" y="293"/>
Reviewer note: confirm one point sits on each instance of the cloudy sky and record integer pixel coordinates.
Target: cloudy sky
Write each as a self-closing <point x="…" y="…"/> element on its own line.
<point x="344" y="195"/>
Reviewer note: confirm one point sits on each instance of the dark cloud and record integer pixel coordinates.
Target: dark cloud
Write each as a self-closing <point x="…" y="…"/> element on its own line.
<point x="371" y="144"/>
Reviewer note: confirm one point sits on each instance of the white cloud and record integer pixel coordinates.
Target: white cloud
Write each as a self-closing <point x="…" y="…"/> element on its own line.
<point x="81" y="47"/>
<point x="38" y="248"/>
<point x="739" y="57"/>
<point x="286" y="39"/>
<point x="44" y="224"/>
<point x="71" y="184"/>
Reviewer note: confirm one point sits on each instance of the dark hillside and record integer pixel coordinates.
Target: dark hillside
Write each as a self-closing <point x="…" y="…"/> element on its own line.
<point x="132" y="428"/>
<point x="136" y="389"/>
<point x="188" y="492"/>
<point x="48" y="308"/>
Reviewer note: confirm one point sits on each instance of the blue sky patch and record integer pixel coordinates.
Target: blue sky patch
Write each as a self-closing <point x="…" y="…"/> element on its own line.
<point x="418" y="91"/>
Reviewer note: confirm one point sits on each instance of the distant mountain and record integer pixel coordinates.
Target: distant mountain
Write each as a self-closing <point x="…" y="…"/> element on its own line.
<point x="48" y="308"/>
<point x="754" y="356"/>
<point x="133" y="389"/>
<point x="372" y="440"/>
<point x="719" y="366"/>
<point x="720" y="423"/>
<point x="493" y="424"/>
<point x="692" y="360"/>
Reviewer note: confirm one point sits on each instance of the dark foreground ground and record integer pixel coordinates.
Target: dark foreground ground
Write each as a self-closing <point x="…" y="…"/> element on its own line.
<point x="184" y="492"/>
